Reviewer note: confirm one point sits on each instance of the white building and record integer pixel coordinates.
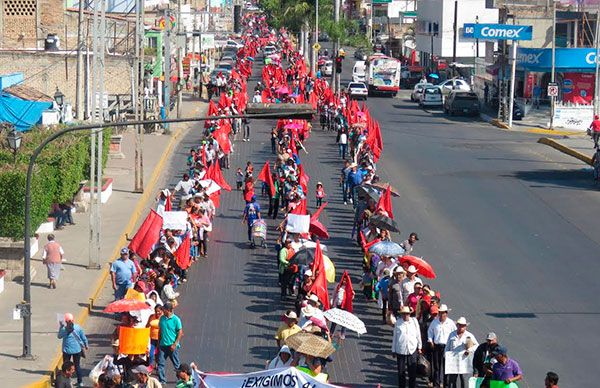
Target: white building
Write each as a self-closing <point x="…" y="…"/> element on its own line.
<point x="435" y="28"/>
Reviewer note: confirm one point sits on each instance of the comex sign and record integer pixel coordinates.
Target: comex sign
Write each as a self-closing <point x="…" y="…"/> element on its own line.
<point x="497" y="31"/>
<point x="567" y="59"/>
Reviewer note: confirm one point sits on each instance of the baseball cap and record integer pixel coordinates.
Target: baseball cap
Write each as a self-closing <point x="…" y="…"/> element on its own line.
<point x="125" y="251"/>
<point x="143" y="369"/>
<point x="491" y="336"/>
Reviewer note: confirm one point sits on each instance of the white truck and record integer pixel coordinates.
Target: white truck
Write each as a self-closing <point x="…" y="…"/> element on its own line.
<point x="383" y="74"/>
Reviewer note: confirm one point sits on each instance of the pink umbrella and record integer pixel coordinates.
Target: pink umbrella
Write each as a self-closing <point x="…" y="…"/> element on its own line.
<point x="293" y="126"/>
<point x="283" y="90"/>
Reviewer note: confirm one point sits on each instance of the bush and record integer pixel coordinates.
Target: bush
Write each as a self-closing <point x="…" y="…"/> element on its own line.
<point x="58" y="171"/>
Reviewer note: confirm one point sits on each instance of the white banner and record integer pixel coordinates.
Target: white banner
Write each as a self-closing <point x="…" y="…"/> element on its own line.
<point x="175" y="220"/>
<point x="577" y="117"/>
<point x="274" y="378"/>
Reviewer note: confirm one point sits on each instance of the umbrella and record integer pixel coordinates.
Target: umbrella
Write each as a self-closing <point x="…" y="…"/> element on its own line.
<point x="386" y="248"/>
<point x="308" y="244"/>
<point x="433" y="75"/>
<point x="330" y="269"/>
<point x="283" y="90"/>
<point x="318" y="229"/>
<point x="423" y="268"/>
<point x="125" y="305"/>
<point x="367" y="191"/>
<point x="303" y="256"/>
<point x="293" y="125"/>
<point x="250" y="59"/>
<point x="346" y="319"/>
<point x="310" y="344"/>
<point x="384" y="186"/>
<point x="384" y="222"/>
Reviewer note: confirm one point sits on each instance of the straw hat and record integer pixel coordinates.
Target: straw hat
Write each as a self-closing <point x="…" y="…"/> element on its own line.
<point x="443" y="309"/>
<point x="291" y="315"/>
<point x="462" y="321"/>
<point x="405" y="310"/>
<point x="308" y="311"/>
<point x="313" y="298"/>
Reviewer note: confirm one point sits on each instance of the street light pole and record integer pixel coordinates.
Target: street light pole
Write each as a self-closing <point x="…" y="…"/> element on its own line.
<point x="315" y="52"/>
<point x="597" y="75"/>
<point x="553" y="71"/>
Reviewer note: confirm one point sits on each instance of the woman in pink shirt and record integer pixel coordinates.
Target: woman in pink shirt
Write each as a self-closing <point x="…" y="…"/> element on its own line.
<point x="52" y="258"/>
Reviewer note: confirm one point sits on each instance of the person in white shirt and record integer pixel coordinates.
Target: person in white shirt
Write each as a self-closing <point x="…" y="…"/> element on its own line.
<point x="458" y="354"/>
<point x="437" y="337"/>
<point x="257" y="99"/>
<point x="406" y="345"/>
<point x="283" y="359"/>
<point x="343" y="143"/>
<point x="408" y="284"/>
<point x="185" y="186"/>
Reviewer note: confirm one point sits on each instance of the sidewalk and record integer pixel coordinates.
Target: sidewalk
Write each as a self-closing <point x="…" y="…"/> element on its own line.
<point x="77" y="285"/>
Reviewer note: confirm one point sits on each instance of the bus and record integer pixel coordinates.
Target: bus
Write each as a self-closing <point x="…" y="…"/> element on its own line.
<point x="383" y="75"/>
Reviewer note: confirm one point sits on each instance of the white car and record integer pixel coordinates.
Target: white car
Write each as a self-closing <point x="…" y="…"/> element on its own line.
<point x="357" y="90"/>
<point x="233" y="43"/>
<point x="270" y="50"/>
<point x="328" y="68"/>
<point x="431" y="96"/>
<point x="454" y="84"/>
<point x="359" y="71"/>
<point x="417" y="90"/>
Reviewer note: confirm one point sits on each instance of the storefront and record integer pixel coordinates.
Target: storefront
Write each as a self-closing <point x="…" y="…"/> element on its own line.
<point x="575" y="68"/>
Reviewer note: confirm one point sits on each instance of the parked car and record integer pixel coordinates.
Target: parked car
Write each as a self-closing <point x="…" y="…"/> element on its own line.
<point x="454" y="84"/>
<point x="417" y="90"/>
<point x="360" y="54"/>
<point x="460" y="102"/>
<point x="357" y="90"/>
<point x="328" y="68"/>
<point x="431" y="96"/>
<point x="359" y="71"/>
<point x="233" y="43"/>
<point x="270" y="50"/>
<point x="229" y="58"/>
<point x="224" y="66"/>
<point x="323" y="37"/>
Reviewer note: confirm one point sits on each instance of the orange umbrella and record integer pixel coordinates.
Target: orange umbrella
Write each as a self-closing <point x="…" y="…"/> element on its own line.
<point x="423" y="268"/>
<point x="125" y="305"/>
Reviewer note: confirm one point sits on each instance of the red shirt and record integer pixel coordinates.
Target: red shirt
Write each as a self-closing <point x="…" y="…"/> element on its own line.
<point x="595" y="126"/>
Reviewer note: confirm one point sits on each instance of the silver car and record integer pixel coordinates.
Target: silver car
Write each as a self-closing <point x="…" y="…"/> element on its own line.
<point x="417" y="90"/>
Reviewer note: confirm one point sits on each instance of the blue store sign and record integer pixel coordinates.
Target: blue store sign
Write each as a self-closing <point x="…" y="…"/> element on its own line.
<point x="497" y="31"/>
<point x="567" y="59"/>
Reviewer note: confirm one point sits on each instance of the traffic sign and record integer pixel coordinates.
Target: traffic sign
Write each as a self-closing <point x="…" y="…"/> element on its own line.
<point x="552" y="90"/>
<point x="317" y="46"/>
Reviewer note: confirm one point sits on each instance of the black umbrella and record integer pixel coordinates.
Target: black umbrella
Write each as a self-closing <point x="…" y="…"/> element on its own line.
<point x="384" y="222"/>
<point x="366" y="192"/>
<point x="305" y="255"/>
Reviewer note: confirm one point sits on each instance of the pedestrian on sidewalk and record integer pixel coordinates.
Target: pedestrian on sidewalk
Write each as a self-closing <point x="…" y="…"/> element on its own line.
<point x="251" y="214"/>
<point x="460" y="346"/>
<point x="288" y="328"/>
<point x="239" y="179"/>
<point x="343" y="143"/>
<point x="52" y="257"/>
<point x="506" y="369"/>
<point x="74" y="343"/>
<point x="122" y="274"/>
<point x="437" y="337"/>
<point x="551" y="380"/>
<point x="184" y="374"/>
<point x="482" y="358"/>
<point x="409" y="243"/>
<point x="63" y="379"/>
<point x="594" y="130"/>
<point x="170" y="333"/>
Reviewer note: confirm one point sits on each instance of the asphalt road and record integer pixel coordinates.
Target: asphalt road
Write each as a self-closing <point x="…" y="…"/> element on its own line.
<point x="507" y="223"/>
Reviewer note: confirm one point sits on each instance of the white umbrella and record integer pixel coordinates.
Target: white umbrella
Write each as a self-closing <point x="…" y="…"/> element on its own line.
<point x="346" y="319"/>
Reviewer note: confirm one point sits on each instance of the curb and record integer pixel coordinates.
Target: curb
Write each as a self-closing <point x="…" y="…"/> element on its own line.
<point x="46" y="381"/>
<point x="565" y="150"/>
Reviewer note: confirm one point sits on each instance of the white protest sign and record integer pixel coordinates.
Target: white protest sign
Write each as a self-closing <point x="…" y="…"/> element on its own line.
<point x="175" y="220"/>
<point x="274" y="378"/>
<point x="297" y="223"/>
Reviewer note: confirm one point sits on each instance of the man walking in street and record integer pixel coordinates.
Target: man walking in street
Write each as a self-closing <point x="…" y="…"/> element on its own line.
<point x="406" y="345"/>
<point x="506" y="369"/>
<point x="74" y="343"/>
<point x="63" y="379"/>
<point x="122" y="274"/>
<point x="142" y="374"/>
<point x="395" y="300"/>
<point x="52" y="257"/>
<point x="437" y="336"/>
<point x="169" y="335"/>
<point x="408" y="244"/>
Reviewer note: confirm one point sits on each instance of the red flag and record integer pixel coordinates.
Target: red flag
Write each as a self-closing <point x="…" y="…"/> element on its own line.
<point x="147" y="235"/>
<point x="319" y="210"/>
<point x="223" y="140"/>
<point x="212" y="109"/>
<point x="319" y="287"/>
<point x="303" y="179"/>
<point x="385" y="202"/>
<point x="300" y="209"/>
<point x="182" y="254"/>
<point x="168" y="204"/>
<point x="214" y="173"/>
<point x="265" y="176"/>
<point x="216" y="198"/>
<point x="203" y="151"/>
<point x="348" y="292"/>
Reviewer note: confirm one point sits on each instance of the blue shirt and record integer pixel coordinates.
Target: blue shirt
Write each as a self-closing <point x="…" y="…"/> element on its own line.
<point x="251" y="211"/>
<point x="72" y="341"/>
<point x="355" y="178"/>
<point x="123" y="271"/>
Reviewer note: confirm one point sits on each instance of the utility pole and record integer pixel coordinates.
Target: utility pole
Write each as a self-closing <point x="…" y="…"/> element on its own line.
<point x="179" y="61"/>
<point x="513" y="72"/>
<point x="553" y="71"/>
<point x="138" y="101"/>
<point x="336" y="49"/>
<point x="79" y="76"/>
<point x="477" y="40"/>
<point x="596" y="79"/>
<point x="315" y="55"/>
<point x="167" y="62"/>
<point x="455" y="36"/>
